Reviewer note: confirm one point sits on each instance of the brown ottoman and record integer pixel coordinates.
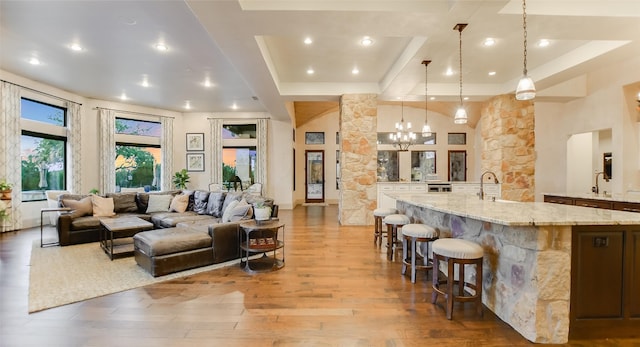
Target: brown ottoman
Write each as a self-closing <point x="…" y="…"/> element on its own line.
<point x="164" y="251"/>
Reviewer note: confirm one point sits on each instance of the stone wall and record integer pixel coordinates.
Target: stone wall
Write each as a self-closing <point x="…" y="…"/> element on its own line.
<point x="526" y="277"/>
<point x="508" y="145"/>
<point x="358" y="153"/>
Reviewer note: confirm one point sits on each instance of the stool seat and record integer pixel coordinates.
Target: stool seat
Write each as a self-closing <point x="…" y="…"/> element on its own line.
<point x="396" y="219"/>
<point x="457" y="248"/>
<point x="384" y="211"/>
<point x="419" y="231"/>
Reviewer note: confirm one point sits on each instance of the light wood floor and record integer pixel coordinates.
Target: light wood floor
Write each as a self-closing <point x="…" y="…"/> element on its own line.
<point x="336" y="289"/>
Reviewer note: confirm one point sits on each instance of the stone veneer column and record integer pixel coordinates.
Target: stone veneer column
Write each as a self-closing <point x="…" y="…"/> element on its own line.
<point x="508" y="145"/>
<point x="358" y="153"/>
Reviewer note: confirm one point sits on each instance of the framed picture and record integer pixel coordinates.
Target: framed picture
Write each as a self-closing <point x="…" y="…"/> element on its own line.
<point x="195" y="161"/>
<point x="195" y="141"/>
<point x="313" y="138"/>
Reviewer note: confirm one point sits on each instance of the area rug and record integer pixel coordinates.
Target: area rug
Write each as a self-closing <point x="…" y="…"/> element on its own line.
<point x="64" y="275"/>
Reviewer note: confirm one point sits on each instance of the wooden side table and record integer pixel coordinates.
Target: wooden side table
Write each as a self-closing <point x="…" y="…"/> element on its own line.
<point x="47" y="210"/>
<point x="261" y="237"/>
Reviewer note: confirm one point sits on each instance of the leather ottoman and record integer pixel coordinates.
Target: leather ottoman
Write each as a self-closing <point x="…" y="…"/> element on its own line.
<point x="164" y="251"/>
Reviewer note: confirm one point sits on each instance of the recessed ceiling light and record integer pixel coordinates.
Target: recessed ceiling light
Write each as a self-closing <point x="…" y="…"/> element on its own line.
<point x="492" y="73"/>
<point x="310" y="71"/>
<point x="366" y="41"/>
<point x="489" y="42"/>
<point x="543" y="43"/>
<point x="308" y="41"/>
<point x="162" y="47"/>
<point x="207" y="83"/>
<point x="145" y="83"/>
<point x="123" y="96"/>
<point x="234" y="106"/>
<point x="75" y="47"/>
<point x="187" y="105"/>
<point x="449" y="72"/>
<point x="34" y="61"/>
<point x="355" y="71"/>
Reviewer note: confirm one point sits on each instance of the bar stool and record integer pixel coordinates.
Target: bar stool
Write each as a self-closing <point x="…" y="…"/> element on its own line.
<point x="457" y="252"/>
<point x="393" y="222"/>
<point x="415" y="233"/>
<point x="378" y="215"/>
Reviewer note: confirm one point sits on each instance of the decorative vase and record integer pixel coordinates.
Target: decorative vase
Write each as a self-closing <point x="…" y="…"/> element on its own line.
<point x="262" y="213"/>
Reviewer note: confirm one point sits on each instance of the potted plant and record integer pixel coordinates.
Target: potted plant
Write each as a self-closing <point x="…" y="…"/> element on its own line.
<point x="261" y="211"/>
<point x="180" y="179"/>
<point x="5" y="190"/>
<point x="94" y="191"/>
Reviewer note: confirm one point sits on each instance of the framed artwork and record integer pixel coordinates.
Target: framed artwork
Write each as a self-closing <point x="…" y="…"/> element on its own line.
<point x="195" y="161"/>
<point x="314" y="138"/>
<point x="195" y="141"/>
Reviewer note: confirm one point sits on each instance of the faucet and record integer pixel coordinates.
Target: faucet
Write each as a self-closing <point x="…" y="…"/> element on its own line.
<point x="495" y="180"/>
<point x="596" y="188"/>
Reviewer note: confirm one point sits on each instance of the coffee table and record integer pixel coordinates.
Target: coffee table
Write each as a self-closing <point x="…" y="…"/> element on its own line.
<point x="261" y="237"/>
<point x="120" y="228"/>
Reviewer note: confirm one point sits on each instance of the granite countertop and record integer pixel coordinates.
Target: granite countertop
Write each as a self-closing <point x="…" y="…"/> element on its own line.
<point x="628" y="197"/>
<point x="514" y="213"/>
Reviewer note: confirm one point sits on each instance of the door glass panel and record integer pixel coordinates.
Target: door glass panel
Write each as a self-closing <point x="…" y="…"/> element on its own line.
<point x="423" y="165"/>
<point x="457" y="166"/>
<point x="315" y="176"/>
<point x="388" y="166"/>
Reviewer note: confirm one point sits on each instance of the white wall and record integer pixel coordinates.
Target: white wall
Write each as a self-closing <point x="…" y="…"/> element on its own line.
<point x="579" y="163"/>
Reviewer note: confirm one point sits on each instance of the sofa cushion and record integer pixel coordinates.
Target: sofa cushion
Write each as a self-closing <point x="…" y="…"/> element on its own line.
<point x="85" y="223"/>
<point x="168" y="241"/>
<point x="80" y="208"/>
<point x="142" y="199"/>
<point x="171" y="219"/>
<point x="200" y="199"/>
<point x="159" y="203"/>
<point x="226" y="215"/>
<point x="215" y="203"/>
<point x="231" y="196"/>
<point x="241" y="211"/>
<point x="179" y="203"/>
<point x="123" y="202"/>
<point x="102" y="207"/>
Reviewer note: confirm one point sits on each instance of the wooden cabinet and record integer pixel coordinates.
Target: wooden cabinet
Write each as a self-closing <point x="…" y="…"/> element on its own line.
<point x="605" y="288"/>
<point x="558" y="199"/>
<point x="592" y="203"/>
<point x="595" y="203"/>
<point x="626" y="206"/>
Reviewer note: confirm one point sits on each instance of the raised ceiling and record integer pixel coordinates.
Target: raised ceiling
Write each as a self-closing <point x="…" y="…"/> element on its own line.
<point x="253" y="52"/>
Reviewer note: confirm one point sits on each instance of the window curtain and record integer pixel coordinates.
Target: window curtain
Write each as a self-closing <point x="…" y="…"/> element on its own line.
<point x="261" y="167"/>
<point x="215" y="126"/>
<point x="74" y="137"/>
<point x="107" y="150"/>
<point x="10" y="164"/>
<point x="166" y="142"/>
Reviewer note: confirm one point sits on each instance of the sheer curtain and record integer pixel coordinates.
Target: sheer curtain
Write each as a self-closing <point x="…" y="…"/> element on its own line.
<point x="166" y="142"/>
<point x="74" y="137"/>
<point x="261" y="167"/>
<point x="215" y="126"/>
<point x="10" y="165"/>
<point x="107" y="150"/>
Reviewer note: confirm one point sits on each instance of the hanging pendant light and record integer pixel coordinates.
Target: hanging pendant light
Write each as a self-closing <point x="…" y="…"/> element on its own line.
<point x="525" y="90"/>
<point x="403" y="138"/>
<point x="426" y="128"/>
<point x="461" y="114"/>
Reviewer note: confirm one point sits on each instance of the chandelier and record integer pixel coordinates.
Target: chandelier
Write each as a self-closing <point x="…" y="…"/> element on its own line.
<point x="426" y="128"/>
<point x="403" y="138"/>
<point x="461" y="113"/>
<point x="525" y="90"/>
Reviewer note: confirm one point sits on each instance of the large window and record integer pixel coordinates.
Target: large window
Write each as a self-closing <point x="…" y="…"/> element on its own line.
<point x="42" y="149"/>
<point x="240" y="162"/>
<point x="138" y="159"/>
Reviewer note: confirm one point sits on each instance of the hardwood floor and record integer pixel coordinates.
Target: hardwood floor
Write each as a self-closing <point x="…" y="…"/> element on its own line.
<point x="336" y="289"/>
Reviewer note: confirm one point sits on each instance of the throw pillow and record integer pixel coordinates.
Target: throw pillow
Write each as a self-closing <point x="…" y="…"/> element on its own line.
<point x="159" y="202"/>
<point x="226" y="216"/>
<point x="231" y="196"/>
<point x="179" y="203"/>
<point x="102" y="207"/>
<point x="80" y="207"/>
<point x="214" y="205"/>
<point x="124" y="202"/>
<point x="200" y="199"/>
<point x="242" y="210"/>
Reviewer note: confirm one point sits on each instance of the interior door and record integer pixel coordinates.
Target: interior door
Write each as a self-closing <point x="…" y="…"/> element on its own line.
<point x="314" y="176"/>
<point x="457" y="166"/>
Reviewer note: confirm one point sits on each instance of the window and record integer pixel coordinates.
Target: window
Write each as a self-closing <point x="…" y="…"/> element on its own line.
<point x="42" y="149"/>
<point x="138" y="159"/>
<point x="423" y="165"/>
<point x="457" y="138"/>
<point x="387" y="170"/>
<point x="240" y="162"/>
<point x="239" y="131"/>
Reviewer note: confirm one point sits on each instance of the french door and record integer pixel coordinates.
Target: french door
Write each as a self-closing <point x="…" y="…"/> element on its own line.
<point x="314" y="176"/>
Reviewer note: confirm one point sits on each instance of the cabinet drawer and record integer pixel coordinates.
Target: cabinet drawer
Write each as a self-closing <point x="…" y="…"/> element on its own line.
<point x="626" y="206"/>
<point x="386" y="188"/>
<point x="593" y="203"/>
<point x="558" y="200"/>
<point x="418" y="188"/>
<point x="402" y="188"/>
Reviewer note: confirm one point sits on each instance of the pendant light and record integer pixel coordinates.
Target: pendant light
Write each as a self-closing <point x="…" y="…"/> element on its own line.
<point x="426" y="128"/>
<point x="461" y="113"/>
<point x="525" y="90"/>
<point x="403" y="138"/>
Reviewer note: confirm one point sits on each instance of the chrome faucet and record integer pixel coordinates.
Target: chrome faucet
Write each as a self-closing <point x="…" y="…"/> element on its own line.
<point x="596" y="188"/>
<point x="495" y="180"/>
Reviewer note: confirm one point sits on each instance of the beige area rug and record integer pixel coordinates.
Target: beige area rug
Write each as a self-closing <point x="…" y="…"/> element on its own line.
<point x="64" y="275"/>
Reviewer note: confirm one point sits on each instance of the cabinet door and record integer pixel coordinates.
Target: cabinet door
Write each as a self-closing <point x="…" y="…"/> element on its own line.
<point x="598" y="279"/>
<point x="633" y="263"/>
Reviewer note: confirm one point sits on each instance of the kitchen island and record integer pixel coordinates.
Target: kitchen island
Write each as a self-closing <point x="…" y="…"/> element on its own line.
<point x="551" y="271"/>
